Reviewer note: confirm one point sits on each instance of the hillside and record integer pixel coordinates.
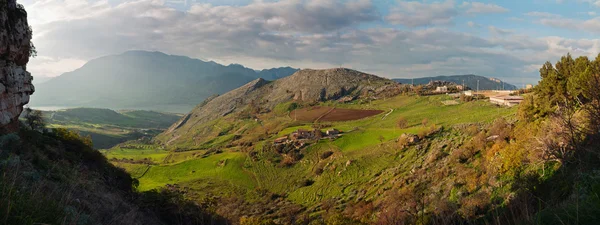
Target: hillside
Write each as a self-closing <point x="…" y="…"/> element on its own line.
<point x="303" y="87"/>
<point x="107" y="127"/>
<point x="470" y="81"/>
<point x="146" y="80"/>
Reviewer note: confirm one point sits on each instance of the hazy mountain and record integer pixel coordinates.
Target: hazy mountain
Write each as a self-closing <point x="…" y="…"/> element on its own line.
<point x="470" y="80"/>
<point x="146" y="80"/>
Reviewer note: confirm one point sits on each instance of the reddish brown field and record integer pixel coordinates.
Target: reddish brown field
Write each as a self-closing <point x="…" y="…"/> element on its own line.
<point x="330" y="114"/>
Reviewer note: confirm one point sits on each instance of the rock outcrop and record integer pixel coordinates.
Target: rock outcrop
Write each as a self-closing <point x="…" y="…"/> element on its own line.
<point x="15" y="49"/>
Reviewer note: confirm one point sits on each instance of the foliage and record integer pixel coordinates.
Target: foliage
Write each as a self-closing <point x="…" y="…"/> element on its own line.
<point x="34" y="119"/>
<point x="402" y="123"/>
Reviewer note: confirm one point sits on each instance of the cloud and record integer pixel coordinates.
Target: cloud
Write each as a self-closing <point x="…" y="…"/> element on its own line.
<point x="51" y="67"/>
<point x="542" y="14"/>
<point x="478" y="7"/>
<point x="473" y="24"/>
<point x="557" y="21"/>
<point x="498" y="31"/>
<point x="298" y="33"/>
<point x="416" y="14"/>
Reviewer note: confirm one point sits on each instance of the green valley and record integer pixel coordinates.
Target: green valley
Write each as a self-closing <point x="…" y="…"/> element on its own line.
<point x="363" y="163"/>
<point x="108" y="128"/>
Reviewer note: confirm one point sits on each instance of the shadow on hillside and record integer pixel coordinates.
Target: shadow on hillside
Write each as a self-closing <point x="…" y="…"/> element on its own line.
<point x="57" y="178"/>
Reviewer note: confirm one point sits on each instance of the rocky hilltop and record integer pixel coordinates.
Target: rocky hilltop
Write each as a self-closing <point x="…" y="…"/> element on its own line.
<point x="15" y="49"/>
<point x="304" y="86"/>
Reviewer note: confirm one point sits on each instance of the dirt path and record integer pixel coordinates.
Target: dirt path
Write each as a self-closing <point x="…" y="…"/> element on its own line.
<point x="146" y="171"/>
<point x="384" y="116"/>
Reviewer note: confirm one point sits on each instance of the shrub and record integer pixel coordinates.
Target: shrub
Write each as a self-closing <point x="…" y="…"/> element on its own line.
<point x="402" y="123"/>
<point x="34" y="119"/>
<point x="326" y="154"/>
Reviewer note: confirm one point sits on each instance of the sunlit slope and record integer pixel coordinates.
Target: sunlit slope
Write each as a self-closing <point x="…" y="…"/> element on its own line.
<point x="362" y="163"/>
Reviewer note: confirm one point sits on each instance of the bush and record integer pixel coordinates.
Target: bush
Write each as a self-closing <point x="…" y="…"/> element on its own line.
<point x="326" y="154"/>
<point x="402" y="123"/>
<point x="34" y="119"/>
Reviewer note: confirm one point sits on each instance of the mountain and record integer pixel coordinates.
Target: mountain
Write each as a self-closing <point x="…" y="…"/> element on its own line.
<point x="470" y="81"/>
<point x="146" y="80"/>
<point x="305" y="86"/>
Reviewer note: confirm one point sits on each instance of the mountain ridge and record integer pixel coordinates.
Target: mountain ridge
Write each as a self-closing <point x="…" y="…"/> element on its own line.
<point x="147" y="80"/>
<point x="470" y="80"/>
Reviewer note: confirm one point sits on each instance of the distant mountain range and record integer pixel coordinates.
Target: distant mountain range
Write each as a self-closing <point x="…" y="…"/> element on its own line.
<point x="146" y="80"/>
<point x="469" y="80"/>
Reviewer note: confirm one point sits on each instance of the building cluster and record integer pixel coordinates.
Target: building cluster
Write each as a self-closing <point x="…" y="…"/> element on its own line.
<point x="302" y="137"/>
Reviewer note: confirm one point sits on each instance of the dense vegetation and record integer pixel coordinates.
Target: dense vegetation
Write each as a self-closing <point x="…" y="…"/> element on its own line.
<point x="57" y="178"/>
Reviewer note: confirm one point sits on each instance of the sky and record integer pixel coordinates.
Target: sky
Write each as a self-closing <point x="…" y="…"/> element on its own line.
<point x="508" y="39"/>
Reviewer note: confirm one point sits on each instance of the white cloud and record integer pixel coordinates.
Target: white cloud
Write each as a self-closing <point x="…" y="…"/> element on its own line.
<point x="498" y="31"/>
<point x="51" y="67"/>
<point x="473" y="24"/>
<point x="299" y="33"/>
<point x="416" y="14"/>
<point x="591" y="25"/>
<point x="478" y="7"/>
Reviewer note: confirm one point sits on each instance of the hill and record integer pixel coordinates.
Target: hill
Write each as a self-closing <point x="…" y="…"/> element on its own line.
<point x="146" y="80"/>
<point x="470" y="81"/>
<point x="107" y="127"/>
<point x="303" y="87"/>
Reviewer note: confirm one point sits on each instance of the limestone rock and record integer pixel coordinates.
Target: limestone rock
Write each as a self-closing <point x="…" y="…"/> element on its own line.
<point x="15" y="81"/>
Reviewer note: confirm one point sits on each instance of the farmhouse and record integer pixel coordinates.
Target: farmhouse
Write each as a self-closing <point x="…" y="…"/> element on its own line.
<point x="441" y="89"/>
<point x="306" y="134"/>
<point x="506" y="100"/>
<point x="281" y="140"/>
<point x="332" y="132"/>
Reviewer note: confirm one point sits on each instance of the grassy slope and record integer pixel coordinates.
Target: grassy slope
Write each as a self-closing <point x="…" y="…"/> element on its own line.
<point x="361" y="145"/>
<point x="107" y="127"/>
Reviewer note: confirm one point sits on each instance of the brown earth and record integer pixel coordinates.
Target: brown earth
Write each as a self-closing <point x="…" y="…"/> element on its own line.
<point x="330" y="114"/>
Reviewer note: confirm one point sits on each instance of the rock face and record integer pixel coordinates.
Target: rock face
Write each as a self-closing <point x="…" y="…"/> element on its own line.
<point x="15" y="49"/>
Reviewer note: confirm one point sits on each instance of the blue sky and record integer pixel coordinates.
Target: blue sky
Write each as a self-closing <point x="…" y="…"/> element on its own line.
<point x="503" y="39"/>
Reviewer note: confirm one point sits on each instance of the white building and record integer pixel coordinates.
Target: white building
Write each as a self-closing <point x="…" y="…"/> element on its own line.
<point x="506" y="100"/>
<point x="441" y="89"/>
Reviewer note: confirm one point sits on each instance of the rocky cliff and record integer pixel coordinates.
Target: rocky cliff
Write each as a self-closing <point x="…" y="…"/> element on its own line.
<point x="15" y="49"/>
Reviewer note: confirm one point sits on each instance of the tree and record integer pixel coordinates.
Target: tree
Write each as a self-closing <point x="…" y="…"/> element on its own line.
<point x="34" y="119"/>
<point x="402" y="123"/>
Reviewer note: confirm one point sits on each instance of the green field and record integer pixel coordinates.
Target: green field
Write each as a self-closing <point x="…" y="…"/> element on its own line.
<point x="108" y="128"/>
<point x="363" y="159"/>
